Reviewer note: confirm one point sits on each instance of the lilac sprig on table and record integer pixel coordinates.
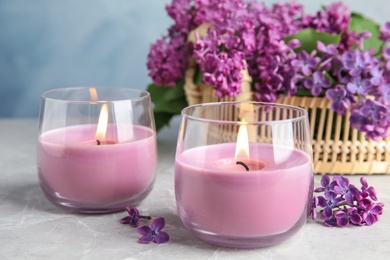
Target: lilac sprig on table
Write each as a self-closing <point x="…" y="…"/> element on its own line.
<point x="152" y="233"/>
<point x="343" y="203"/>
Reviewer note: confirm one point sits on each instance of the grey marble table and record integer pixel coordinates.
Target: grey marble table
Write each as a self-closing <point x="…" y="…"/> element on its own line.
<point x="32" y="228"/>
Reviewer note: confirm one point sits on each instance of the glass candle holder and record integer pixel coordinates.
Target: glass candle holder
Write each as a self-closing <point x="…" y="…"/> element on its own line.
<point x="243" y="172"/>
<point x="96" y="148"/>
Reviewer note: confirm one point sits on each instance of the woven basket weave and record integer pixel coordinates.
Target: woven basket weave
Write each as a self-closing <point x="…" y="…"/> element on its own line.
<point x="337" y="147"/>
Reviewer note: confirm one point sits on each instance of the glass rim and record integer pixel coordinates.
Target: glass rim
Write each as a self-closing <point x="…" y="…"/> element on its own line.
<point x="143" y="94"/>
<point x="301" y="117"/>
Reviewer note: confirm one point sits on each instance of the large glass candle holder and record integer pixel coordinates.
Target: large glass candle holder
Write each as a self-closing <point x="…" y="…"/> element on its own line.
<point x="243" y="172"/>
<point x="96" y="148"/>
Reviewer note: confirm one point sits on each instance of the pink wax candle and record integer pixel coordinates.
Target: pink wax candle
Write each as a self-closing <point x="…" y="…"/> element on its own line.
<point x="74" y="169"/>
<point x="216" y="196"/>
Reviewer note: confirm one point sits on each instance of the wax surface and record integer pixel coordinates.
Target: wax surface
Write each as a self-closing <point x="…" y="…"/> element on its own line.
<point x="72" y="166"/>
<point x="240" y="203"/>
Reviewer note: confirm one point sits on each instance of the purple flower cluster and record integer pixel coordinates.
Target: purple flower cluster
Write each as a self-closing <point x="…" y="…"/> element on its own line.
<point x="343" y="204"/>
<point x="153" y="233"/>
<point x="246" y="34"/>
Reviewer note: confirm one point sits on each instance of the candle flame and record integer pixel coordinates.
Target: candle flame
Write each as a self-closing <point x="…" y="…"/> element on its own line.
<point x="94" y="95"/>
<point x="242" y="146"/>
<point x="102" y="123"/>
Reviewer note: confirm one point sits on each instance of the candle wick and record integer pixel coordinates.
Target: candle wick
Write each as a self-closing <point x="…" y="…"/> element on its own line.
<point x="243" y="164"/>
<point x="97" y="142"/>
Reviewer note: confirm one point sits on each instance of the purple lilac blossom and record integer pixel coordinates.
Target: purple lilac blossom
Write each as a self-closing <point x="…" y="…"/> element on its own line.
<point x="376" y="74"/>
<point x="317" y="83"/>
<point x="385" y="32"/>
<point x="328" y="203"/>
<point x="367" y="191"/>
<point x="344" y="217"/>
<point x="247" y="34"/>
<point x="344" y="188"/>
<point x="374" y="110"/>
<point x="167" y="61"/>
<point x="341" y="102"/>
<point x="133" y="218"/>
<point x="305" y="63"/>
<point x="371" y="117"/>
<point x="386" y="93"/>
<point x="330" y="49"/>
<point x="153" y="233"/>
<point x="371" y="213"/>
<point x="339" y="212"/>
<point x="355" y="62"/>
<point x="180" y="12"/>
<point x="357" y="85"/>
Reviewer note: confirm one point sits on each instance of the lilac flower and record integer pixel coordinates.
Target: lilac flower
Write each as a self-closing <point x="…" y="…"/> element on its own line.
<point x="294" y="43"/>
<point x="335" y="19"/>
<point x="376" y="74"/>
<point x="223" y="72"/>
<point x="361" y="37"/>
<point x="153" y="233"/>
<point x="179" y="10"/>
<point x="362" y="122"/>
<point x="385" y="32"/>
<point x="344" y="188"/>
<point x="344" y="217"/>
<point x="330" y="49"/>
<point x="386" y="93"/>
<point x="167" y="61"/>
<point x="341" y="101"/>
<point x="331" y="222"/>
<point x="357" y="85"/>
<point x="133" y="218"/>
<point x="328" y="203"/>
<point x="208" y="45"/>
<point x="317" y="83"/>
<point x="367" y="191"/>
<point x="326" y="184"/>
<point x="371" y="213"/>
<point x="373" y="109"/>
<point x="355" y="62"/>
<point x="264" y="93"/>
<point x="305" y="62"/>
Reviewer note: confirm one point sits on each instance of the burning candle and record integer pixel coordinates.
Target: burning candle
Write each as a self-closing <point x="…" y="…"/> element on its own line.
<point x="240" y="194"/>
<point x="102" y="166"/>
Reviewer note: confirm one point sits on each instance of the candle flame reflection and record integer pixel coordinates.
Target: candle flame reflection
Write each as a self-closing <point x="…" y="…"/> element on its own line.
<point x="102" y="123"/>
<point x="242" y="146"/>
<point x="94" y="95"/>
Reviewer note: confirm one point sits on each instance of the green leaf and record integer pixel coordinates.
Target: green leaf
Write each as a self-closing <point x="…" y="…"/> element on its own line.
<point x="360" y="23"/>
<point x="198" y="76"/>
<point x="309" y="38"/>
<point x="172" y="106"/>
<point x="168" y="101"/>
<point x="303" y="92"/>
<point x="159" y="93"/>
<point x="162" y="119"/>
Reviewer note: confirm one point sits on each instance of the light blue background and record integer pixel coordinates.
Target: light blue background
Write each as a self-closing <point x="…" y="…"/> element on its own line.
<point x="46" y="44"/>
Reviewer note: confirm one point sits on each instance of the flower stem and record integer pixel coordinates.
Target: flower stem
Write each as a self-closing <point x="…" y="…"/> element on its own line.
<point x="145" y="217"/>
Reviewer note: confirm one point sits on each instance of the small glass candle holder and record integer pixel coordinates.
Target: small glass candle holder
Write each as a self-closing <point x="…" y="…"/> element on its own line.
<point x="243" y="172"/>
<point x="96" y="148"/>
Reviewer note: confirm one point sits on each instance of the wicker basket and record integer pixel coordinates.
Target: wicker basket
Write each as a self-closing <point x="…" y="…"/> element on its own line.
<point x="337" y="147"/>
